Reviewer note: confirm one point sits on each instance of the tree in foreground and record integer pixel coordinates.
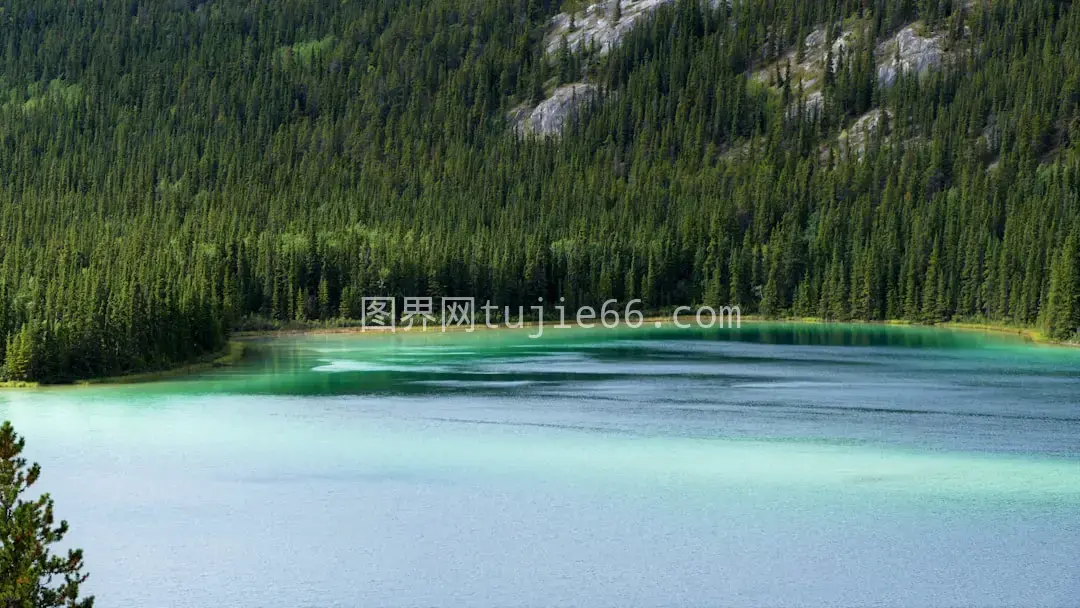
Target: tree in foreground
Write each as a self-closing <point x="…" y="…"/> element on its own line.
<point x="30" y="575"/>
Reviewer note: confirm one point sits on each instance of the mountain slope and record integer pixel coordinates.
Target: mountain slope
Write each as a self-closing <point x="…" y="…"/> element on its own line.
<point x="169" y="170"/>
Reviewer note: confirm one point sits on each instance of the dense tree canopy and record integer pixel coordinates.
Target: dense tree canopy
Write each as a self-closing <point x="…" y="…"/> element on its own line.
<point x="169" y="169"/>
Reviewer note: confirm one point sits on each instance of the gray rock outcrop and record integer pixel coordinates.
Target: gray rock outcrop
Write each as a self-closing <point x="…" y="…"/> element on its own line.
<point x="907" y="52"/>
<point x="597" y="24"/>
<point x="555" y="112"/>
<point x="856" y="137"/>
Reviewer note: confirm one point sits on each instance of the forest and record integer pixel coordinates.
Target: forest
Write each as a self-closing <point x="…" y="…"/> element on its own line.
<point x="172" y="170"/>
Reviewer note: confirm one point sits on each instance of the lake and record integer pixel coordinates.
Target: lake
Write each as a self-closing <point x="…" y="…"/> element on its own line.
<point x="778" y="464"/>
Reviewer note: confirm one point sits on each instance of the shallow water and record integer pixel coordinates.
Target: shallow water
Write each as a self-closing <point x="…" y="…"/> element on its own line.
<point x="773" y="465"/>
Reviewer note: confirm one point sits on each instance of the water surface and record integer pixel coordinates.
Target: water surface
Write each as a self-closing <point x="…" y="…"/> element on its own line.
<point x="772" y="465"/>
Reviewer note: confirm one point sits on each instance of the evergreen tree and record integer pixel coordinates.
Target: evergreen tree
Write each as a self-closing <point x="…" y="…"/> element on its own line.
<point x="31" y="576"/>
<point x="1061" y="318"/>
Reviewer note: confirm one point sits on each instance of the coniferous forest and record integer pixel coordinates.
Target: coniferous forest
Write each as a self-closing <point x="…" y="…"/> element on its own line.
<point x="173" y="169"/>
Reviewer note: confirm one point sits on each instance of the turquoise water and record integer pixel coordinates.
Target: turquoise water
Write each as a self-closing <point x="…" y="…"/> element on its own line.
<point x="772" y="465"/>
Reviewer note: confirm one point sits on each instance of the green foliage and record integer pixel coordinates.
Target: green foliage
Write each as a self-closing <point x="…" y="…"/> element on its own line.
<point x="304" y="53"/>
<point x="31" y="576"/>
<point x="20" y="354"/>
<point x="41" y="96"/>
<point x="1061" y="318"/>
<point x="200" y="164"/>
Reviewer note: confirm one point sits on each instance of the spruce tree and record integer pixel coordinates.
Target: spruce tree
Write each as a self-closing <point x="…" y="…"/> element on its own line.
<point x="31" y="575"/>
<point x="1062" y="313"/>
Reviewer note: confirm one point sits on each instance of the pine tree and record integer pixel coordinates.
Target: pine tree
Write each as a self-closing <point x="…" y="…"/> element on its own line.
<point x="933" y="310"/>
<point x="31" y="576"/>
<point x="1061" y="317"/>
<point x="325" y="308"/>
<point x="300" y="308"/>
<point x="567" y="62"/>
<point x="20" y="354"/>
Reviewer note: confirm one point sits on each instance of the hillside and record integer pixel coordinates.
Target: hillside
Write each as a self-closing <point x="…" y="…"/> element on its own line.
<point x="171" y="169"/>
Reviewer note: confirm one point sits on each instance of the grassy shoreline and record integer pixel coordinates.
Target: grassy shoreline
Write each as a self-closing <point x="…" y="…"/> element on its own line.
<point x="18" y="384"/>
<point x="1030" y="334"/>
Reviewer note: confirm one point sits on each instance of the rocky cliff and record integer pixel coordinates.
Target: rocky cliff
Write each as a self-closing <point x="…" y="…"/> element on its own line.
<point x="555" y="112"/>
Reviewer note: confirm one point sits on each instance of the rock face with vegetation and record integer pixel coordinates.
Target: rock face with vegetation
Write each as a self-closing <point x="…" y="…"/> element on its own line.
<point x="593" y="30"/>
<point x="856" y="137"/>
<point x="549" y="117"/>
<point x="807" y="60"/>
<point x="807" y="69"/>
<point x="908" y="52"/>
<point x="600" y="25"/>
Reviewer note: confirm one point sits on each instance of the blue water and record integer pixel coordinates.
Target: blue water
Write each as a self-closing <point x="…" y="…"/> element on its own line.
<point x="773" y="465"/>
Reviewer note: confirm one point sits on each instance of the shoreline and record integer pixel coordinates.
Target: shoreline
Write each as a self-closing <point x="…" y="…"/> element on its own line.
<point x="1028" y="334"/>
<point x="233" y="353"/>
<point x="235" y="349"/>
